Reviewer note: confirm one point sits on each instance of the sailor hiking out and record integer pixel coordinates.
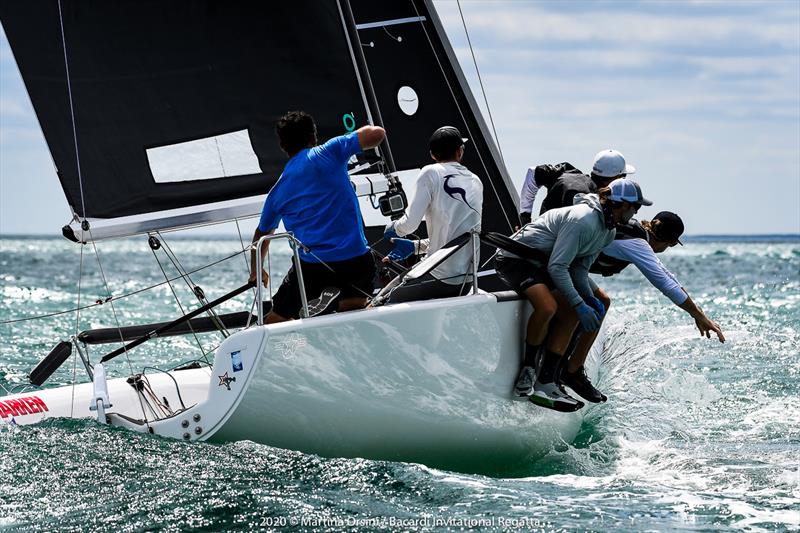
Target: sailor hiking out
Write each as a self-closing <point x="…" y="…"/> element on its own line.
<point x="634" y="242"/>
<point x="637" y="243"/>
<point x="316" y="202"/>
<point x="563" y="182"/>
<point x="450" y="199"/>
<point x="569" y="240"/>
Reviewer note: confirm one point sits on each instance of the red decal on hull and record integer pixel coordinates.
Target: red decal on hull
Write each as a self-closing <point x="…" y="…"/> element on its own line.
<point x="27" y="405"/>
<point x="18" y="406"/>
<point x="5" y="411"/>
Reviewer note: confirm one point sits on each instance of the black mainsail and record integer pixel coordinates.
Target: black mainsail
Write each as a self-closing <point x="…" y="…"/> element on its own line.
<point x="174" y="102"/>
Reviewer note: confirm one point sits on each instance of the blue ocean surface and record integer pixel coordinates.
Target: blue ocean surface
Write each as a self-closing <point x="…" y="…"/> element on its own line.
<point x="696" y="435"/>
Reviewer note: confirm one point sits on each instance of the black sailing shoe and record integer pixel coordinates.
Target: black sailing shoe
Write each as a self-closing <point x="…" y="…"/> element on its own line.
<point x="578" y="382"/>
<point x="326" y="303"/>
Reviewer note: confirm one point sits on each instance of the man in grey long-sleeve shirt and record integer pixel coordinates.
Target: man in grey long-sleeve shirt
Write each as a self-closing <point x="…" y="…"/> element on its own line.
<point x="572" y="238"/>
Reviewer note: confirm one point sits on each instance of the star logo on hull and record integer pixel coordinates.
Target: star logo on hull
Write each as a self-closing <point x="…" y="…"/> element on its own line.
<point x="225" y="381"/>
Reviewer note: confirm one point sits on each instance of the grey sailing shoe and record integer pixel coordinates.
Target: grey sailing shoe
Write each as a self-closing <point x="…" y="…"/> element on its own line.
<point x="550" y="395"/>
<point x="524" y="385"/>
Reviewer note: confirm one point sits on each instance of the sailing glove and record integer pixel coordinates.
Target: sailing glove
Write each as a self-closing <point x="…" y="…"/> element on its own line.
<point x="590" y="320"/>
<point x="597" y="305"/>
<point x="389" y="233"/>
<point x="403" y="248"/>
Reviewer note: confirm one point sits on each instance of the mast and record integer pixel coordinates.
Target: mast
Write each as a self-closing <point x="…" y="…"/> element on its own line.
<point x="364" y="79"/>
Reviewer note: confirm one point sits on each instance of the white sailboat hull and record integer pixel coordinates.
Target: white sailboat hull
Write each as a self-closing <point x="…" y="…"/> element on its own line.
<point x="424" y="382"/>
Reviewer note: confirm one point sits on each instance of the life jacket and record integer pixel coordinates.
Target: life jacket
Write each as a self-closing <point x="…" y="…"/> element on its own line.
<point x="607" y="265"/>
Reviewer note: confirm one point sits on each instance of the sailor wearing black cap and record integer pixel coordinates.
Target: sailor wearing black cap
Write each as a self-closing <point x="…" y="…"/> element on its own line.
<point x="638" y="243"/>
<point x="450" y="199"/>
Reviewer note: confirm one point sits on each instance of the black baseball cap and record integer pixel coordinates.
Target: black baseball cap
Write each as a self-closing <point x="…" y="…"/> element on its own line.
<point x="446" y="140"/>
<point x="669" y="228"/>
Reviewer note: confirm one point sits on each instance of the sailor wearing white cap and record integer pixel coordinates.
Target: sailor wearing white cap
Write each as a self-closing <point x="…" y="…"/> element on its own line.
<point x="611" y="164"/>
<point x="564" y="181"/>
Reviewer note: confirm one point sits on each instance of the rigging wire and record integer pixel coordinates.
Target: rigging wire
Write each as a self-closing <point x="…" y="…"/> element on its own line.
<point x="183" y="312"/>
<point x="116" y="318"/>
<point x="247" y="269"/>
<point x="115" y="298"/>
<point x="461" y="112"/>
<point x="72" y="114"/>
<point x="77" y="331"/>
<point x="193" y="287"/>
<point x="480" y="80"/>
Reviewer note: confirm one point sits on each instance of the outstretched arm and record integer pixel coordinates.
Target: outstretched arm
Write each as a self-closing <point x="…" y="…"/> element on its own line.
<point x="638" y="252"/>
<point x="703" y="323"/>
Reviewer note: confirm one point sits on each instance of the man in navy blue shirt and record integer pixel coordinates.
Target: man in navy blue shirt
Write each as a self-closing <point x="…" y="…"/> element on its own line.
<point x="317" y="203"/>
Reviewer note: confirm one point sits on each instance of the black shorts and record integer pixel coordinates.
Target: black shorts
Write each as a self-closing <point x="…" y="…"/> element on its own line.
<point x="520" y="274"/>
<point x="353" y="277"/>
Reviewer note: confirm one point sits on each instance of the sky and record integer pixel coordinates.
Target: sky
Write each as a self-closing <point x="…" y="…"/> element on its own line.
<point x="702" y="97"/>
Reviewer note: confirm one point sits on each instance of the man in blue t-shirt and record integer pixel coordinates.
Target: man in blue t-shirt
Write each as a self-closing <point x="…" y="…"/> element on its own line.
<point x="316" y="201"/>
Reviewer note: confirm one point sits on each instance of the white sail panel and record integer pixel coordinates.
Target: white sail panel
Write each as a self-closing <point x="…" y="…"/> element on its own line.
<point x="220" y="156"/>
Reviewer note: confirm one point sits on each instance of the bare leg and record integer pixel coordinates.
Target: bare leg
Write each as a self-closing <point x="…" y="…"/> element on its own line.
<point x="578" y="357"/>
<point x="352" y="303"/>
<point x="544" y="308"/>
<point x="564" y="324"/>
<point x="274" y="318"/>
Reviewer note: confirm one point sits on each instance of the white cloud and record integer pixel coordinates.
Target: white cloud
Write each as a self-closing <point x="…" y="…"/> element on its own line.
<point x="621" y="23"/>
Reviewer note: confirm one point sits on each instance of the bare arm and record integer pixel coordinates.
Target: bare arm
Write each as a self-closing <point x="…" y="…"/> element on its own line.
<point x="255" y="267"/>
<point x="370" y="136"/>
<point x="703" y="323"/>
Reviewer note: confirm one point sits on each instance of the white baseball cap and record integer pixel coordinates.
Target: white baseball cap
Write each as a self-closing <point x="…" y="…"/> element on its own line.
<point x="611" y="163"/>
<point x="623" y="189"/>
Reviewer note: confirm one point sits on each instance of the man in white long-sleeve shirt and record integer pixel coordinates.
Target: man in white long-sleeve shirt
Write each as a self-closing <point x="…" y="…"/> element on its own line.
<point x="638" y="243"/>
<point x="449" y="198"/>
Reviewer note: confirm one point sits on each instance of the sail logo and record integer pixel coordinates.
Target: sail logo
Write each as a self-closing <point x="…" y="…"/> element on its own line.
<point x="452" y="191"/>
<point x="349" y="122"/>
<point x="28" y="405"/>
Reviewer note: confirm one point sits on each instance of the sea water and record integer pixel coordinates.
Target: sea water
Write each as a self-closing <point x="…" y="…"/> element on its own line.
<point x="696" y="435"/>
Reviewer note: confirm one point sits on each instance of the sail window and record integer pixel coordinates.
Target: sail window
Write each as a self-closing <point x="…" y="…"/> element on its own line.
<point x="407" y="100"/>
<point x="221" y="156"/>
